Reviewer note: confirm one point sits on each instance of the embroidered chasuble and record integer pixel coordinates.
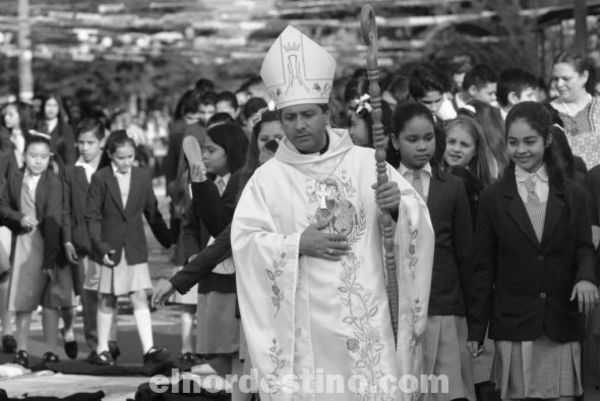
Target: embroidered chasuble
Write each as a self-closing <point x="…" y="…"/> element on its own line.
<point x="311" y="322"/>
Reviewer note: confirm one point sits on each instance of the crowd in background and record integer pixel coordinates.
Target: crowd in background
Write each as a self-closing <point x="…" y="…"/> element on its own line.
<point x="455" y="128"/>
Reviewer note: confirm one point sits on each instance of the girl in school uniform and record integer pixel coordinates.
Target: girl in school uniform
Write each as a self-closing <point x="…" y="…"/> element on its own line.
<point x="76" y="241"/>
<point x="534" y="271"/>
<point x="446" y="329"/>
<point x="490" y="119"/>
<point x="31" y="205"/>
<point x="466" y="156"/>
<point x="224" y="152"/>
<point x="18" y="119"/>
<point x="53" y="121"/>
<point x="118" y="195"/>
<point x="266" y="134"/>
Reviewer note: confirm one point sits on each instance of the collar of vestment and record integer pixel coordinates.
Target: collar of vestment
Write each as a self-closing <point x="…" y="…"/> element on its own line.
<point x="317" y="164"/>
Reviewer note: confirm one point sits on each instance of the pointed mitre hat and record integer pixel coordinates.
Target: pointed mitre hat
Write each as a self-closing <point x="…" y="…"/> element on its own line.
<point x="296" y="70"/>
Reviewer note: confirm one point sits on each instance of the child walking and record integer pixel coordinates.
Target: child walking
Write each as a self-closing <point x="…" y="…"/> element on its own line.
<point x="119" y="194"/>
<point x="31" y="206"/>
<point x="76" y="241"/>
<point x="534" y="271"/>
<point x="446" y="199"/>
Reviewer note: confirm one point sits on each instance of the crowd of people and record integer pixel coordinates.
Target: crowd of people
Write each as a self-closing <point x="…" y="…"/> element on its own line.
<point x="503" y="171"/>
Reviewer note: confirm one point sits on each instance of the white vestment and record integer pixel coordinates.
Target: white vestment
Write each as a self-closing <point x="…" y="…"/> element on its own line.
<point x="311" y="322"/>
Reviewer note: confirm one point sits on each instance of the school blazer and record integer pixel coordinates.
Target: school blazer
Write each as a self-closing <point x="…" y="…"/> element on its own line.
<point x="8" y="164"/>
<point x="451" y="219"/>
<point x="114" y="226"/>
<point x="48" y="205"/>
<point x="74" y="227"/>
<point x="591" y="183"/>
<point x="522" y="286"/>
<point x="212" y="213"/>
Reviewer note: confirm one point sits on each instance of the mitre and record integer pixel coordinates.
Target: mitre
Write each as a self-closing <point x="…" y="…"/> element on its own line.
<point x="296" y="70"/>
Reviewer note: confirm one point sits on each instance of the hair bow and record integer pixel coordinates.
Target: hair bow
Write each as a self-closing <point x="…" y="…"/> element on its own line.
<point x="364" y="106"/>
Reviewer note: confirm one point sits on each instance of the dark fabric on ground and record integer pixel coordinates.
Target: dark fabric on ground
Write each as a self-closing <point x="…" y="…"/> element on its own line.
<point x="97" y="396"/>
<point x="85" y="368"/>
<point x="144" y="393"/>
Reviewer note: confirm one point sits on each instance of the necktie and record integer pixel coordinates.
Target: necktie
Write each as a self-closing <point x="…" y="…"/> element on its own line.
<point x="417" y="183"/>
<point x="220" y="185"/>
<point x="532" y="196"/>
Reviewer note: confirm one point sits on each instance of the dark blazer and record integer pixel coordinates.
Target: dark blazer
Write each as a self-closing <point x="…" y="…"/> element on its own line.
<point x="200" y="269"/>
<point x="74" y="227"/>
<point x="48" y="205"/>
<point x="451" y="218"/>
<point x="8" y="165"/>
<point x="113" y="226"/>
<point x="520" y="285"/>
<point x="591" y="183"/>
<point x="214" y="212"/>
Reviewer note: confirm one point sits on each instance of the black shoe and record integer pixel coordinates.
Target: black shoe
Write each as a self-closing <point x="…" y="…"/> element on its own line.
<point x="50" y="357"/>
<point x="90" y="357"/>
<point x="155" y="355"/>
<point x="187" y="357"/>
<point x="114" y="349"/>
<point x="70" y="347"/>
<point x="22" y="358"/>
<point x="186" y="360"/>
<point x="9" y="344"/>
<point x="102" y="359"/>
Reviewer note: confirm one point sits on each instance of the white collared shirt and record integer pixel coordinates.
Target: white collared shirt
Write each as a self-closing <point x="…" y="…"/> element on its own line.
<point x="89" y="168"/>
<point x="124" y="180"/>
<point x="540" y="177"/>
<point x="31" y="181"/>
<point x="426" y="174"/>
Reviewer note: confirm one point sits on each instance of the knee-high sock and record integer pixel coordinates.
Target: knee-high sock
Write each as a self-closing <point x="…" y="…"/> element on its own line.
<point x="144" y="326"/>
<point x="187" y="327"/>
<point x="104" y="322"/>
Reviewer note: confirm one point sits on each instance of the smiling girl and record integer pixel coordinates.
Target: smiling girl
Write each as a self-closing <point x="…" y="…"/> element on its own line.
<point x="534" y="271"/>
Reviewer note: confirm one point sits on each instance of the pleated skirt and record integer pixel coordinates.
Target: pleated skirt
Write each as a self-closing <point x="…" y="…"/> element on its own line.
<point x="445" y="353"/>
<point x="538" y="369"/>
<point x="218" y="330"/>
<point x="123" y="278"/>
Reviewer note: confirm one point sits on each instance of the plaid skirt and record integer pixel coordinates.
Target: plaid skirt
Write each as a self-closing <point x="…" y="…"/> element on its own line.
<point x="538" y="369"/>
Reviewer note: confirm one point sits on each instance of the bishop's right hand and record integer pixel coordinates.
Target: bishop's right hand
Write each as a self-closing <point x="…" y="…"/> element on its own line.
<point x="318" y="244"/>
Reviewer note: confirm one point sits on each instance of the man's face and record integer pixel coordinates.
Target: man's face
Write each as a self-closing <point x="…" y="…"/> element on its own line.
<point x="486" y="93"/>
<point x="305" y="126"/>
